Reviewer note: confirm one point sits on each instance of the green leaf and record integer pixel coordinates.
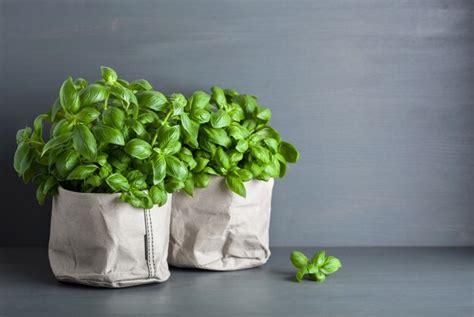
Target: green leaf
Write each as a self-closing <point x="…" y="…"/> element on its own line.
<point x="244" y="174"/>
<point x="175" y="168"/>
<point x="40" y="195"/>
<point x="299" y="260"/>
<point x="235" y="156"/>
<point x="94" y="181"/>
<point x="260" y="153"/>
<point x="50" y="185"/>
<point x="62" y="127"/>
<point x="200" y="100"/>
<point x="236" y="112"/>
<point x="108" y="74"/>
<point x="114" y="117"/>
<point x="235" y="184"/>
<point x="140" y="84"/>
<point x="172" y="147"/>
<point x="159" y="170"/>
<point x="247" y="103"/>
<point x="138" y="148"/>
<point x="222" y="159"/>
<point x="201" y="163"/>
<point x="38" y="128"/>
<point x="300" y="274"/>
<point x="220" y="119"/>
<point x="66" y="162"/>
<point x="81" y="83"/>
<point x="320" y="277"/>
<point x="93" y="94"/>
<point x="55" y="109"/>
<point x="189" y="186"/>
<point x="167" y="135"/>
<point x="158" y="195"/>
<point x="87" y="115"/>
<point x="264" y="114"/>
<point x="82" y="171"/>
<point x="173" y="185"/>
<point x="200" y="115"/>
<point x="106" y="135"/>
<point x="289" y="152"/>
<point x="242" y="146"/>
<point x="331" y="265"/>
<point x="237" y="131"/>
<point x="123" y="94"/>
<point x="190" y="130"/>
<point x="69" y="97"/>
<point x="178" y="102"/>
<point x="147" y="117"/>
<point x="23" y="158"/>
<point x="137" y="179"/>
<point x="117" y="182"/>
<point x="272" y="144"/>
<point x="201" y="180"/>
<point x="55" y="142"/>
<point x="217" y="136"/>
<point x="84" y="142"/>
<point x="319" y="258"/>
<point x="23" y="135"/>
<point x="136" y="126"/>
<point x="218" y="96"/>
<point x="152" y="99"/>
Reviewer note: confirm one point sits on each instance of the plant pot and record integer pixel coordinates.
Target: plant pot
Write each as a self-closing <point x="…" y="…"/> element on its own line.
<point x="98" y="240"/>
<point x="217" y="229"/>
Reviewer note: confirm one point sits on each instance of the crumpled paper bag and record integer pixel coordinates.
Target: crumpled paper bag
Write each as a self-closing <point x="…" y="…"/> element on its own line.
<point x="217" y="229"/>
<point x="98" y="240"/>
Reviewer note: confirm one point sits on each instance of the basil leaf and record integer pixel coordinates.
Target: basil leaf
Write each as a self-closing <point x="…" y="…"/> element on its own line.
<point x="108" y="74"/>
<point x="201" y="163"/>
<point x="260" y="153"/>
<point x="56" y="142"/>
<point x="159" y="170"/>
<point x="237" y="131"/>
<point x="82" y="171"/>
<point x="299" y="260"/>
<point x="118" y="182"/>
<point x="200" y="115"/>
<point x="189" y="186"/>
<point x="106" y="134"/>
<point x="242" y="146"/>
<point x="222" y="159"/>
<point x="217" y="136"/>
<point x="23" y="135"/>
<point x="93" y="94"/>
<point x="264" y="114"/>
<point x="289" y="152"/>
<point x="175" y="168"/>
<point x="190" y="130"/>
<point x="87" y="115"/>
<point x="220" y="119"/>
<point x="173" y="185"/>
<point x="66" y="162"/>
<point x="114" y="117"/>
<point x="178" y="102"/>
<point x="152" y="99"/>
<point x="300" y="274"/>
<point x="201" y="180"/>
<point x="158" y="195"/>
<point x="138" y="148"/>
<point x="200" y="100"/>
<point x="23" y="158"/>
<point x="319" y="258"/>
<point x="69" y="97"/>
<point x="320" y="277"/>
<point x="235" y="184"/>
<point x="331" y="265"/>
<point x="218" y="96"/>
<point x="167" y="135"/>
<point x="172" y="147"/>
<point x="84" y="142"/>
<point x="139" y="85"/>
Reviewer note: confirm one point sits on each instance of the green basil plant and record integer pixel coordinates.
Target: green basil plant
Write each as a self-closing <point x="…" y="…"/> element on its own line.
<point x="111" y="136"/>
<point x="228" y="134"/>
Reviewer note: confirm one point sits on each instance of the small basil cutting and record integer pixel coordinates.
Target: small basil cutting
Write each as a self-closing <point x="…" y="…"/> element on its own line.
<point x="318" y="268"/>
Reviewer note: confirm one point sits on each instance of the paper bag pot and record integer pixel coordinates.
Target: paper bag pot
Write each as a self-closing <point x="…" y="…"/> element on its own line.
<point x="217" y="229"/>
<point x="98" y="240"/>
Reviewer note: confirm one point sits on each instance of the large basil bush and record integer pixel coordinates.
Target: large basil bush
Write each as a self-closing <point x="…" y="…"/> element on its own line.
<point x="228" y="134"/>
<point x="107" y="137"/>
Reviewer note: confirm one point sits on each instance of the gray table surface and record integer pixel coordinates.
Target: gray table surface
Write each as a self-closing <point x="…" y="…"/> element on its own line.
<point x="372" y="282"/>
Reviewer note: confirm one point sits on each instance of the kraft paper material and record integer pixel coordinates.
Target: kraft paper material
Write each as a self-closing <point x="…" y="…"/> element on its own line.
<point x="98" y="240"/>
<point x="217" y="229"/>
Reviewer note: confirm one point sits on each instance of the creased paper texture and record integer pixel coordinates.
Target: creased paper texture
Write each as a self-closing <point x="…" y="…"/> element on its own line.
<point x="217" y="229"/>
<point x="98" y="240"/>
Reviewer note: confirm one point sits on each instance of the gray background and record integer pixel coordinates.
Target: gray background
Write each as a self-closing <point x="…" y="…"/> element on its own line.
<point x="377" y="95"/>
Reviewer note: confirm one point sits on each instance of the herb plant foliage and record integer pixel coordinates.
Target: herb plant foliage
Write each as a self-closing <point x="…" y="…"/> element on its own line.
<point x="106" y="137"/>
<point x="113" y="136"/>
<point x="228" y="134"/>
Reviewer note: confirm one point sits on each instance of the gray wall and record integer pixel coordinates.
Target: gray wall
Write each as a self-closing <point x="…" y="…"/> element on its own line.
<point x="378" y="96"/>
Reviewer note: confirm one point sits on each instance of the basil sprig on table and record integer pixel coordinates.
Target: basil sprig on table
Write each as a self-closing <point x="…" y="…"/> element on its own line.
<point x="106" y="137"/>
<point x="228" y="134"/>
<point x="319" y="266"/>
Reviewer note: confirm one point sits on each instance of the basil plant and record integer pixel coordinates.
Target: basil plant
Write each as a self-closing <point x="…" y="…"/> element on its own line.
<point x="111" y="136"/>
<point x="228" y="134"/>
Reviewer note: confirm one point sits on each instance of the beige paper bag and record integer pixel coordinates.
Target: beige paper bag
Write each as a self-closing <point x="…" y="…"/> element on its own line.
<point x="217" y="229"/>
<point x="98" y="240"/>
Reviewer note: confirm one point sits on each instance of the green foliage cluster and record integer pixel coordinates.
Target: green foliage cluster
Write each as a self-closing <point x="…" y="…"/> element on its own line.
<point x="318" y="268"/>
<point x="116" y="136"/>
